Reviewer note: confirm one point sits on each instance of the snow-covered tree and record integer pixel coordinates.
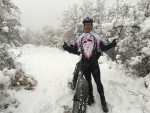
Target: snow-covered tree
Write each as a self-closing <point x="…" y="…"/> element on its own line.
<point x="49" y="37"/>
<point x="9" y="23"/>
<point x="128" y="23"/>
<point x="70" y="21"/>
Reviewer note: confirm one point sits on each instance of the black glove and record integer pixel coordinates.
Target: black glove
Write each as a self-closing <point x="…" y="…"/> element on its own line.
<point x="71" y="45"/>
<point x="65" y="46"/>
<point x="113" y="44"/>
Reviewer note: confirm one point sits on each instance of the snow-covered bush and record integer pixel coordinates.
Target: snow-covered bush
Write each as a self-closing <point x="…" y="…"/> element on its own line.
<point x="18" y="80"/>
<point x="11" y="79"/>
<point x="6" y="98"/>
<point x="4" y="81"/>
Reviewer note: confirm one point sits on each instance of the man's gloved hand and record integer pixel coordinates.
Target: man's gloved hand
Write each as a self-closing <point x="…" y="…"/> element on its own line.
<point x="113" y="44"/>
<point x="71" y="45"/>
<point x="65" y="46"/>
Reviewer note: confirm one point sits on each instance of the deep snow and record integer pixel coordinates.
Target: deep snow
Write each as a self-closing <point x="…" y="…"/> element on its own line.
<point x="53" y="68"/>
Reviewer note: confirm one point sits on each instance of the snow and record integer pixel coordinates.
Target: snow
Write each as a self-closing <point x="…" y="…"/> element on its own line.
<point x="3" y="79"/>
<point x="21" y="29"/>
<point x="106" y="27"/>
<point x="10" y="73"/>
<point x="118" y="56"/>
<point x="146" y="50"/>
<point x="5" y="29"/>
<point x="53" y="68"/>
<point x="110" y="3"/>
<point x="119" y="22"/>
<point x="145" y="26"/>
<point x="131" y="11"/>
<point x="135" y="60"/>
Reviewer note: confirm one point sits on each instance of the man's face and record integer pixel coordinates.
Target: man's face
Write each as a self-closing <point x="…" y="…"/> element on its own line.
<point x="88" y="27"/>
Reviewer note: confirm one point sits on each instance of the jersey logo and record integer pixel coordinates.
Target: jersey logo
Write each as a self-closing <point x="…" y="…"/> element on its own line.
<point x="88" y="45"/>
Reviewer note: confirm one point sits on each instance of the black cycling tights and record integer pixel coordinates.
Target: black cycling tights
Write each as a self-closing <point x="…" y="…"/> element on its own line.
<point x="93" y="68"/>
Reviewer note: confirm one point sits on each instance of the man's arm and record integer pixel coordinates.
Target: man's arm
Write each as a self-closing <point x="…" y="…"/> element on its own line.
<point x="107" y="47"/>
<point x="73" y="49"/>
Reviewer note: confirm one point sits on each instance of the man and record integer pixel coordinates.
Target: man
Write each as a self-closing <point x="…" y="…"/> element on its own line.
<point x="88" y="42"/>
<point x="72" y="84"/>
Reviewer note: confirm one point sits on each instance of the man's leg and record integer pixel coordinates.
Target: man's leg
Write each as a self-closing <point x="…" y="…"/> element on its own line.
<point x="87" y="74"/>
<point x="96" y="76"/>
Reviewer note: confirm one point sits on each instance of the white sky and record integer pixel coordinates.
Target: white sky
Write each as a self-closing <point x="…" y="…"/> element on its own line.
<point x="38" y="13"/>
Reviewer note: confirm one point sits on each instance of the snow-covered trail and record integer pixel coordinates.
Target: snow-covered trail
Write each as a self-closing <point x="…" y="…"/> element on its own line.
<point x="53" y="68"/>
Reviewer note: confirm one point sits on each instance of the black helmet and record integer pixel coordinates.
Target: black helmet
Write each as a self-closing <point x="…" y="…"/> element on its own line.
<point x="87" y="20"/>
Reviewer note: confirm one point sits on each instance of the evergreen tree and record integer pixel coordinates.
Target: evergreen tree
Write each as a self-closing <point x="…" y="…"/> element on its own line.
<point x="9" y="23"/>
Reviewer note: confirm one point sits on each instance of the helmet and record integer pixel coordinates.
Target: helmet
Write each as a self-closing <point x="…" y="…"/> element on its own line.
<point x="87" y="20"/>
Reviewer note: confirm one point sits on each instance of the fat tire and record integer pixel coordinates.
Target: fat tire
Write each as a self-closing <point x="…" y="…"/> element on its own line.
<point x="81" y="96"/>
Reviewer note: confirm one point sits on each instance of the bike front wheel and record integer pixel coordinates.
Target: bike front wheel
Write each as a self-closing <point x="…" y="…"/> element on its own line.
<point x="81" y="96"/>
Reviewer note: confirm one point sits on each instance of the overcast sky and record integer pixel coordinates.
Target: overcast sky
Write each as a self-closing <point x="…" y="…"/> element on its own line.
<point x="38" y="13"/>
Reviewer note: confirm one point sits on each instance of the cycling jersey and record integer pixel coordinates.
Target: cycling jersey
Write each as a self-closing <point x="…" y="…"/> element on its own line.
<point x="88" y="43"/>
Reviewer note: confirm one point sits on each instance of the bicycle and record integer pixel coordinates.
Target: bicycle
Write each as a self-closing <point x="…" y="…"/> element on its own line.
<point x="81" y="97"/>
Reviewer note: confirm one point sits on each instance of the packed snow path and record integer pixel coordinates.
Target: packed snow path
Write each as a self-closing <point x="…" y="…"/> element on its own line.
<point x="53" y="68"/>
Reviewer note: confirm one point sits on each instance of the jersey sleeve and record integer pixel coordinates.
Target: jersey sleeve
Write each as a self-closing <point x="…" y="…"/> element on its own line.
<point x="73" y="49"/>
<point x="104" y="47"/>
<point x="101" y="44"/>
<point x="78" y="43"/>
<point x="98" y="40"/>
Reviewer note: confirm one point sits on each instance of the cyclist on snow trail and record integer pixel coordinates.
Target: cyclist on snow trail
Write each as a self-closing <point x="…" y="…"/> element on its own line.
<point x="88" y="43"/>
